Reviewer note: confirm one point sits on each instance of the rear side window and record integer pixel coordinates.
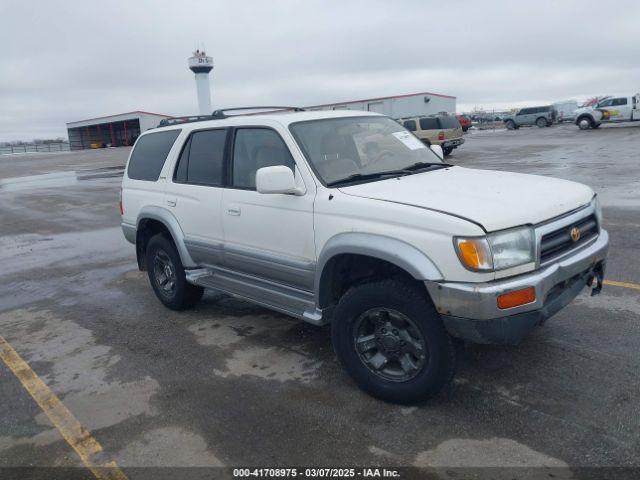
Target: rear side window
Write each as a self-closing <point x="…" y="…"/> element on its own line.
<point x="449" y="122"/>
<point x="429" y="124"/>
<point x="410" y="125"/>
<point x="619" y="101"/>
<point x="202" y="159"/>
<point x="149" y="155"/>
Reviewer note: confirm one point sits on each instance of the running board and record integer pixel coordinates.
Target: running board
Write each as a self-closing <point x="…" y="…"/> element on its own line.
<point x="282" y="298"/>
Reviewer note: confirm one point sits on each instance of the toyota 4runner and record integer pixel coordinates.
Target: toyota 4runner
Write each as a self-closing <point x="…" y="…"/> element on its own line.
<point x="346" y="218"/>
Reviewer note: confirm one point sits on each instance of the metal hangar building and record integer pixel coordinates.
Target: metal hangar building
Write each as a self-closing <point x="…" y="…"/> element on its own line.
<point x="112" y="131"/>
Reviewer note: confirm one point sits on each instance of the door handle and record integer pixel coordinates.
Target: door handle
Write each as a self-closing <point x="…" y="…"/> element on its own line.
<point x="172" y="202"/>
<point x="234" y="211"/>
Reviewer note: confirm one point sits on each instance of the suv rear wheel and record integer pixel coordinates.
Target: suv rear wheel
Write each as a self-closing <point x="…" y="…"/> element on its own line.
<point x="541" y="122"/>
<point x="167" y="276"/>
<point x="447" y="151"/>
<point x="392" y="342"/>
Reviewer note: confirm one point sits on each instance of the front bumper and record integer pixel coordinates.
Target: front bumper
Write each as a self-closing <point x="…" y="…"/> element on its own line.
<point x="470" y="311"/>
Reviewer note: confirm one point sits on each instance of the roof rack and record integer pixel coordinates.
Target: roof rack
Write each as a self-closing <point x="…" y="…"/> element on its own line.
<point x="177" y="120"/>
<point x="220" y="113"/>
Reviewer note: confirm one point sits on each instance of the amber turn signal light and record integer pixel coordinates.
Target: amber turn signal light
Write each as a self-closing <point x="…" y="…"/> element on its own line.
<point x="517" y="298"/>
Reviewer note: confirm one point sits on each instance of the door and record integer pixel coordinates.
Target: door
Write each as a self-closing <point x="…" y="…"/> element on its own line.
<point x="268" y="237"/>
<point x="194" y="194"/>
<point x="525" y="116"/>
<point x="620" y="109"/>
<point x="635" y="107"/>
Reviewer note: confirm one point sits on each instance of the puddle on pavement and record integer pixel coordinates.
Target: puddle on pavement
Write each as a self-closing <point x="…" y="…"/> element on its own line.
<point x="58" y="179"/>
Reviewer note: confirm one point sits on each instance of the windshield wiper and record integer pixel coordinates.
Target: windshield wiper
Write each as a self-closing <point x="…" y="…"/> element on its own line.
<point x="421" y="165"/>
<point x="356" y="177"/>
<point x="367" y="176"/>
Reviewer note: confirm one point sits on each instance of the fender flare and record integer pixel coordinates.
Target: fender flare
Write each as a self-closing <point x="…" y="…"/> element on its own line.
<point x="402" y="254"/>
<point x="167" y="218"/>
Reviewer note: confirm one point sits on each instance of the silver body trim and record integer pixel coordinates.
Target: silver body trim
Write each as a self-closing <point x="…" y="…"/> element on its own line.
<point x="279" y="297"/>
<point x="168" y="220"/>
<point x="130" y="231"/>
<point x="549" y="226"/>
<point x="478" y="300"/>
<point x="394" y="251"/>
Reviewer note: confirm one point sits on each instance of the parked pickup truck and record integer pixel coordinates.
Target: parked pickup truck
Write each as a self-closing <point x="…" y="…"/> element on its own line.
<point x="609" y="110"/>
<point x="346" y="219"/>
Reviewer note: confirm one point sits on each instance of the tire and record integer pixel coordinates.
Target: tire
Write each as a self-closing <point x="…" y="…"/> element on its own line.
<point x="510" y="124"/>
<point x="378" y="316"/>
<point x="596" y="125"/>
<point x="541" y="122"/>
<point x="167" y="276"/>
<point x="447" y="151"/>
<point x="585" y="123"/>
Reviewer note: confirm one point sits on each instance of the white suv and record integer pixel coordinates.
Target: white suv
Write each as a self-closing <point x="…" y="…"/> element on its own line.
<point x="346" y="218"/>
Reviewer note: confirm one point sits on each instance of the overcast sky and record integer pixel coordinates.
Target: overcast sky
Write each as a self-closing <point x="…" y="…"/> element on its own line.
<point x="62" y="61"/>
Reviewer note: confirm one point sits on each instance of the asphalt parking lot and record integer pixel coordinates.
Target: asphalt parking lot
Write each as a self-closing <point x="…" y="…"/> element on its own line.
<point x="229" y="383"/>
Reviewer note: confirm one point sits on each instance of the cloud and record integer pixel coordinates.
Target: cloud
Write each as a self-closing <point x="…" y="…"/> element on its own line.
<point x="68" y="60"/>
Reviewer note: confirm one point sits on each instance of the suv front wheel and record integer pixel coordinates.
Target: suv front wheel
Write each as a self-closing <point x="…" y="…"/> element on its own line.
<point x="392" y="342"/>
<point x="167" y="276"/>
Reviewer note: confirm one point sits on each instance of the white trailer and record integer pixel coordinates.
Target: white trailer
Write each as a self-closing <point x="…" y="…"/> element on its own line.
<point x="565" y="110"/>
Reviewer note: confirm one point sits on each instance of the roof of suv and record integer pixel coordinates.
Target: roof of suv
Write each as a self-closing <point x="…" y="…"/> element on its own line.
<point x="283" y="117"/>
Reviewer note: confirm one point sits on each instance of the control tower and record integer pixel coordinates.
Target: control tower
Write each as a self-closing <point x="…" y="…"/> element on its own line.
<point x="201" y="65"/>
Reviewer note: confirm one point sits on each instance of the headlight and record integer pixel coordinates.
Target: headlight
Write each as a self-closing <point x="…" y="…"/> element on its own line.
<point x="497" y="251"/>
<point x="598" y="210"/>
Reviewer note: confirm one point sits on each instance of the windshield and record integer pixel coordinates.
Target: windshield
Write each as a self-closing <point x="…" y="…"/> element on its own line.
<point x="339" y="148"/>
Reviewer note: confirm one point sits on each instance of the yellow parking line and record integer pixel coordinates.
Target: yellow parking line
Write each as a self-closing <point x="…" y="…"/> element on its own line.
<point x="613" y="283"/>
<point x="78" y="437"/>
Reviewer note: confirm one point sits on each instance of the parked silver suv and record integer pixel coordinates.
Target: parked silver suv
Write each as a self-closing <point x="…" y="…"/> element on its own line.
<point x="540" y="116"/>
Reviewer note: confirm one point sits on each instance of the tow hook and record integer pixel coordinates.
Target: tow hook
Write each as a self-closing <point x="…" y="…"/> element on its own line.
<point x="595" y="280"/>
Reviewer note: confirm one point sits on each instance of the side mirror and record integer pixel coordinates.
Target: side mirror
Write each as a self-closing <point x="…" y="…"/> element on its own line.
<point x="277" y="179"/>
<point x="437" y="149"/>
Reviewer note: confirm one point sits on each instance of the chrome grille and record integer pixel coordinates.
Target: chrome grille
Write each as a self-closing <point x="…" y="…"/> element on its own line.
<point x="558" y="242"/>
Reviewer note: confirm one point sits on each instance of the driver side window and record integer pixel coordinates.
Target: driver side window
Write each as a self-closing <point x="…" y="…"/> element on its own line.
<point x="255" y="148"/>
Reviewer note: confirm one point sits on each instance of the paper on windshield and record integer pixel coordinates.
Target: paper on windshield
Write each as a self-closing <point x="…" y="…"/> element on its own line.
<point x="411" y="142"/>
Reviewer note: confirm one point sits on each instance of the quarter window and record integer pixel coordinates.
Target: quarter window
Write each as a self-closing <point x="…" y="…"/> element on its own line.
<point x="257" y="148"/>
<point x="149" y="155"/>
<point x="429" y="124"/>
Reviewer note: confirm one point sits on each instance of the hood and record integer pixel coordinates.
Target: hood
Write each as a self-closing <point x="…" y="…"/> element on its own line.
<point x="496" y="200"/>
